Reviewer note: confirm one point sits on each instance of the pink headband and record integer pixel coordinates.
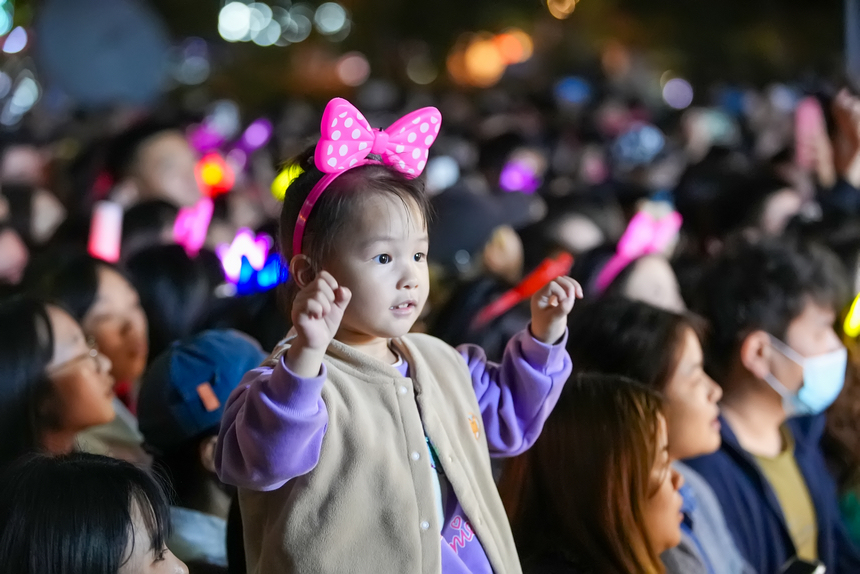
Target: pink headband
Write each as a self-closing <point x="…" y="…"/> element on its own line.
<point x="347" y="141"/>
<point x="644" y="236"/>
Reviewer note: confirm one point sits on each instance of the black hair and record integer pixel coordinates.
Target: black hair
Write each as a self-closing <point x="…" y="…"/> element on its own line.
<point x="71" y="278"/>
<point x="588" y="266"/>
<point x="26" y="349"/>
<point x="764" y="286"/>
<point x="123" y="149"/>
<point x="73" y="513"/>
<point x="175" y="292"/>
<point x="19" y="197"/>
<point x="143" y="225"/>
<point x="340" y="200"/>
<point x="632" y="339"/>
<point x="182" y="467"/>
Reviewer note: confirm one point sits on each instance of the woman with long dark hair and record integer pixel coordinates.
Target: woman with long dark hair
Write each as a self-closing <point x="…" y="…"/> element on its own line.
<point x="53" y="382"/>
<point x="662" y="350"/>
<point x="596" y="494"/>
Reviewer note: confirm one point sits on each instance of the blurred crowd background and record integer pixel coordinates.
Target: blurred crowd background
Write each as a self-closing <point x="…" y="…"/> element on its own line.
<point x="143" y="148"/>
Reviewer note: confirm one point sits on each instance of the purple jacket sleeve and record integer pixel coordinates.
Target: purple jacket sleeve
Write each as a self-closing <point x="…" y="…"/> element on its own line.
<point x="517" y="396"/>
<point x="272" y="429"/>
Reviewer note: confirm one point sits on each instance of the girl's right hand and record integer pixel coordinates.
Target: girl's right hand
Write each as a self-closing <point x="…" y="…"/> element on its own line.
<point x="317" y="312"/>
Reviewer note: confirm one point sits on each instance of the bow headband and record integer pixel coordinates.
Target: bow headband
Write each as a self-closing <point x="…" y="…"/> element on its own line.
<point x="348" y="140"/>
<point x="644" y="236"/>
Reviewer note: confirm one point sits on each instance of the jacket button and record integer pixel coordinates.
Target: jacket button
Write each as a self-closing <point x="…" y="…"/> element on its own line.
<point x="403" y="390"/>
<point x="425" y="525"/>
<point x="415" y="455"/>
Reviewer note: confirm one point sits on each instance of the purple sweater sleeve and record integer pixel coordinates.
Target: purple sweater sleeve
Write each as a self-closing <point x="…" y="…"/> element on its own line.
<point x="272" y="429"/>
<point x="517" y="396"/>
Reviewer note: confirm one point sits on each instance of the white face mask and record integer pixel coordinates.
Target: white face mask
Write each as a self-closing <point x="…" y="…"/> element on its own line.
<point x="823" y="379"/>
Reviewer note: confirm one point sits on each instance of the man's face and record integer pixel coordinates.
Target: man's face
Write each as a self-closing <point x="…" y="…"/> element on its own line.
<point x="810" y="334"/>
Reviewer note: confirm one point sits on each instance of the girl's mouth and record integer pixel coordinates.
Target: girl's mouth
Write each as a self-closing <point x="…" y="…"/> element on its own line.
<point x="404" y="308"/>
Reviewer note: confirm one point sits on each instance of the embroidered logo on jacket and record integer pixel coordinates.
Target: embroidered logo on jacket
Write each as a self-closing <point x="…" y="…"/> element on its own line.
<point x="466" y="534"/>
<point x="476" y="429"/>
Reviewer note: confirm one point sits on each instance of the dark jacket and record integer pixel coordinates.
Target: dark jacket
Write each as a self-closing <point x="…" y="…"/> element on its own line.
<point x="753" y="513"/>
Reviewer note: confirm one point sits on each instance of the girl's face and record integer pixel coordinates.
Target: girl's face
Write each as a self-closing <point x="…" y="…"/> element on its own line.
<point x="381" y="257"/>
<point x="691" y="404"/>
<point x="82" y="386"/>
<point x="663" y="510"/>
<point x="118" y="324"/>
<point x="142" y="558"/>
<point x="653" y="281"/>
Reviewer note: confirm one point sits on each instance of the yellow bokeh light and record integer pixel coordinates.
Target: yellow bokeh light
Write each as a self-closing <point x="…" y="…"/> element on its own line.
<point x="852" y="321"/>
<point x="561" y="9"/>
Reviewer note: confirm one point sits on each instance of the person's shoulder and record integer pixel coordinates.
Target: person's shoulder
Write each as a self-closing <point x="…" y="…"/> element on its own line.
<point x="807" y="430"/>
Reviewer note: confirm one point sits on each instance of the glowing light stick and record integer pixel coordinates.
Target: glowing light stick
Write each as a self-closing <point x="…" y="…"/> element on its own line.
<point x="243" y="247"/>
<point x="214" y="176"/>
<point x="271" y="275"/>
<point x="852" y="321"/>
<point x="192" y="225"/>
<point x="548" y="270"/>
<point x="285" y="179"/>
<point x="106" y="231"/>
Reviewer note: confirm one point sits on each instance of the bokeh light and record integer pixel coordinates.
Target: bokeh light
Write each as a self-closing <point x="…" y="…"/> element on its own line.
<point x="330" y="18"/>
<point x="573" y="90"/>
<point x="442" y="172"/>
<point x="299" y="26"/>
<point x="561" y="9"/>
<point x="678" y="93"/>
<point x="234" y="21"/>
<point x="268" y="35"/>
<point x="420" y="69"/>
<point x="16" y="41"/>
<point x="353" y="69"/>
<point x="484" y="64"/>
<point x="5" y="17"/>
<point x="214" y="175"/>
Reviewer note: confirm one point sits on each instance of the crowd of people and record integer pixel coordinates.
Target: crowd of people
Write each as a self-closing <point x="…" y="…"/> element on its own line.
<point x="512" y="332"/>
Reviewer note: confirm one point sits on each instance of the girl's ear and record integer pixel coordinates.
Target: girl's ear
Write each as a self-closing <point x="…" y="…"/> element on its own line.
<point x="302" y="270"/>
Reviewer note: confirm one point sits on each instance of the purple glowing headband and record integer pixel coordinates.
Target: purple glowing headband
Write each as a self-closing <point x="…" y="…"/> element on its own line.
<point x="347" y="141"/>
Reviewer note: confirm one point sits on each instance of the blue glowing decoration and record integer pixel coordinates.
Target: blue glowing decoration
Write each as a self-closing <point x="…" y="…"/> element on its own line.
<point x="272" y="274"/>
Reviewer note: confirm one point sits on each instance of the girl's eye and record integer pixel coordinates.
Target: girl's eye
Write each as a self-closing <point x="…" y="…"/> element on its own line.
<point x="420" y="257"/>
<point x="384" y="259"/>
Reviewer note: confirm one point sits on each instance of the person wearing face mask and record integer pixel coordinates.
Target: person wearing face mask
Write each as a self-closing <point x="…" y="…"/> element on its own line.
<point x="780" y="363"/>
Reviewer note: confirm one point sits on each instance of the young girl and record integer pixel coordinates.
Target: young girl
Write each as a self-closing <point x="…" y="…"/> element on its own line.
<point x="597" y="493"/>
<point x="359" y="447"/>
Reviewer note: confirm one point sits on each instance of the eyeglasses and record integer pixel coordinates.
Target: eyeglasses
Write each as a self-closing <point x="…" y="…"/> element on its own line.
<point x="92" y="353"/>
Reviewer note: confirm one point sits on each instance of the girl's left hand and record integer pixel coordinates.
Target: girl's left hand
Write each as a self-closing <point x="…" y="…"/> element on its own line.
<point x="550" y="307"/>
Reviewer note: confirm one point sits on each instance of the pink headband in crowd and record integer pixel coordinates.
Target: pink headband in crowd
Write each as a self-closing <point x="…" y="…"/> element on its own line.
<point x="347" y="141"/>
<point x="644" y="236"/>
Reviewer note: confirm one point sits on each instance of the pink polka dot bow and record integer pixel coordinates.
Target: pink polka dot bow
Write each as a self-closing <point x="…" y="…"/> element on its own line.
<point x="347" y="139"/>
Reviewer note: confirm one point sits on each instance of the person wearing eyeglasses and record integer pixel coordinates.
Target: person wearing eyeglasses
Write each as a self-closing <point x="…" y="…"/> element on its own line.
<point x="54" y="383"/>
